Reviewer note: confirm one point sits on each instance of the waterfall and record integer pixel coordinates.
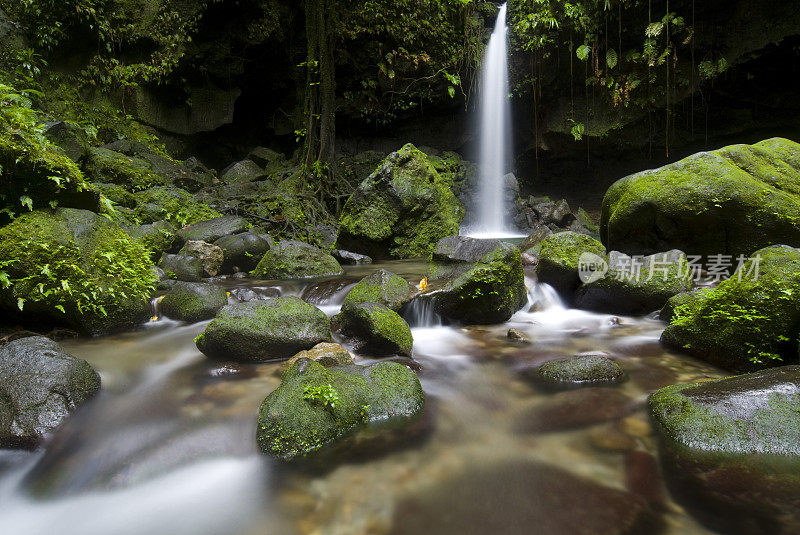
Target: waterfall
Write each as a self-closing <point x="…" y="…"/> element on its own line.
<point x="495" y="114"/>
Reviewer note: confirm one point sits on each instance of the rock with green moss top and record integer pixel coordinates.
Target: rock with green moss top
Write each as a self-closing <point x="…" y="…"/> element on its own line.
<point x="581" y="370"/>
<point x="243" y="251"/>
<point x="175" y="205"/>
<point x="636" y="285"/>
<point x="296" y="260"/>
<point x="105" y="165"/>
<point x="729" y="201"/>
<point x="750" y="320"/>
<point x="315" y="407"/>
<point x="191" y="174"/>
<point x="490" y="291"/>
<point x="156" y="237"/>
<point x="193" y="302"/>
<point x="210" y="230"/>
<point x="559" y="255"/>
<point x="401" y="210"/>
<point x="40" y="385"/>
<point x="455" y="255"/>
<point x="74" y="267"/>
<point x="383" y="287"/>
<point x="668" y="310"/>
<point x="374" y="329"/>
<point x="326" y="353"/>
<point x="117" y="194"/>
<point x="35" y="174"/>
<point x="259" y="331"/>
<point x="755" y="413"/>
<point x="182" y="267"/>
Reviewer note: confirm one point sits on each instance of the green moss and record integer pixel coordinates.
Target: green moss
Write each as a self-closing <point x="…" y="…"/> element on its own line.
<point x="296" y="260"/>
<point x="292" y="423"/>
<point x="375" y="329"/>
<point x="558" y="259"/>
<point x="172" y="204"/>
<point x="580" y="370"/>
<point x="382" y="287"/>
<point x="193" y="302"/>
<point x="104" y="165"/>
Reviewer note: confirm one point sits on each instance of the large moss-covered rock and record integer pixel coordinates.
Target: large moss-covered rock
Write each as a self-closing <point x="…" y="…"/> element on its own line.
<point x="374" y="329"/>
<point x="296" y="260"/>
<point x="636" y="285"/>
<point x="156" y="237"/>
<point x="401" y="210"/>
<point x="211" y="230"/>
<point x="105" y="165"/>
<point x="74" y="267"/>
<point x="455" y="255"/>
<point x="559" y="254"/>
<point x="192" y="302"/>
<point x="315" y="406"/>
<point x="382" y="287"/>
<point x="580" y="370"/>
<point x="490" y="291"/>
<point x="175" y="205"/>
<point x="257" y="331"/>
<point x="32" y="175"/>
<point x="750" y="320"/>
<point x="730" y="201"/>
<point x="40" y="384"/>
<point x="243" y="251"/>
<point x="326" y="353"/>
<point x="182" y="267"/>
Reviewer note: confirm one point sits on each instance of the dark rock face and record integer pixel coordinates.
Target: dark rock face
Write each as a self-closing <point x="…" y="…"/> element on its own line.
<point x="242" y="171"/>
<point x="314" y="406"/>
<point x="749" y="321"/>
<point x="733" y="200"/>
<point x="580" y="370"/>
<point x="455" y="255"/>
<point x="730" y="449"/>
<point x="383" y="287"/>
<point x="350" y="258"/>
<point x="193" y="302"/>
<point x="181" y="267"/>
<point x="520" y="498"/>
<point x="40" y="384"/>
<point x="213" y="229"/>
<point x="296" y="260"/>
<point x="625" y="289"/>
<point x="258" y="331"/>
<point x="558" y="260"/>
<point x="243" y="250"/>
<point x="374" y="329"/>
<point x="488" y="291"/>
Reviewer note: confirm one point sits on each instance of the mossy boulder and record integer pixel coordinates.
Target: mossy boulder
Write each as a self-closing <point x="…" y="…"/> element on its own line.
<point x="210" y="230"/>
<point x="559" y="255"/>
<point x="383" y="287"/>
<point x="105" y="165"/>
<point x="76" y="268"/>
<point x="490" y="291"/>
<point x="175" y="205"/>
<point x="193" y="302"/>
<point x="243" y="250"/>
<point x="40" y="385"/>
<point x="374" y="329"/>
<point x="41" y="173"/>
<point x="401" y="210"/>
<point x="326" y="353"/>
<point x="314" y="406"/>
<point x="636" y="285"/>
<point x="296" y="260"/>
<point x="258" y="331"/>
<point x="210" y="256"/>
<point x="667" y="312"/>
<point x="182" y="267"/>
<point x="156" y="237"/>
<point x="455" y="255"/>
<point x="580" y="370"/>
<point x="734" y="200"/>
<point x="750" y="320"/>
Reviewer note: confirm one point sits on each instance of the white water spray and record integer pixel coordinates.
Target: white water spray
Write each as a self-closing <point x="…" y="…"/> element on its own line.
<point x="494" y="133"/>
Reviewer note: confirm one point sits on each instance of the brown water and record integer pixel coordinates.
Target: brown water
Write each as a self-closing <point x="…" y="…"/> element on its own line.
<point x="169" y="445"/>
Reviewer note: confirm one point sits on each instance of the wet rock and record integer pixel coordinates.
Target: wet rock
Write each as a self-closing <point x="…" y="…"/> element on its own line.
<point x="326" y="353"/>
<point x="327" y="291"/>
<point x="578" y="371"/>
<point x="529" y="260"/>
<point x="350" y="258"/>
<point x="271" y="161"/>
<point x="242" y="171"/>
<point x="667" y="312"/>
<point x="193" y="301"/>
<point x="383" y="287"/>
<point x="643" y="477"/>
<point x="156" y="237"/>
<point x="254" y="294"/>
<point x="231" y="371"/>
<point x="518" y="336"/>
<point x="636" y="286"/>
<point x="210" y="256"/>
<point x="534" y="239"/>
<point x="558" y="260"/>
<point x="182" y="267"/>
<point x="213" y="229"/>
<point x="520" y="498"/>
<point x="315" y="406"/>
<point x="490" y="291"/>
<point x="610" y="439"/>
<point x="455" y="255"/>
<point x="576" y="408"/>
<point x="374" y="329"/>
<point x="259" y="331"/>
<point x="243" y="251"/>
<point x="749" y="320"/>
<point x="401" y="210"/>
<point x="40" y="384"/>
<point x="296" y="260"/>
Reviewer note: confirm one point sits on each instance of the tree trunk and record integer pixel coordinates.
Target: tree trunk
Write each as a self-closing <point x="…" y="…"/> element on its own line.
<point x="321" y="83"/>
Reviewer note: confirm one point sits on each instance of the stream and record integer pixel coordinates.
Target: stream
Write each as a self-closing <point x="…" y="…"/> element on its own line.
<point x="169" y="444"/>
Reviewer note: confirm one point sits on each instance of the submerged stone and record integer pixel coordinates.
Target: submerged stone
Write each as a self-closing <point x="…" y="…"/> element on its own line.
<point x="580" y="370"/>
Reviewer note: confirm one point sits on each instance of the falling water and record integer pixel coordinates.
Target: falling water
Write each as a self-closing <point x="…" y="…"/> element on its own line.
<point x="494" y="132"/>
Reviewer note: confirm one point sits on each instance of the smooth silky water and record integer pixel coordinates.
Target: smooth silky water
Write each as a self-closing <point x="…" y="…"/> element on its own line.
<point x="169" y="444"/>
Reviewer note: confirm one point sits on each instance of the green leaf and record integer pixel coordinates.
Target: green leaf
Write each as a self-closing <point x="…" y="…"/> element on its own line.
<point x="583" y="52"/>
<point x="611" y="58"/>
<point x="451" y="91"/>
<point x="26" y="201"/>
<point x="61" y="308"/>
<point x="20" y="303"/>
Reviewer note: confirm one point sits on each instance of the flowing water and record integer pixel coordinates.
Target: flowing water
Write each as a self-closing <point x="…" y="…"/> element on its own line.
<point x="495" y="137"/>
<point x="169" y="444"/>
